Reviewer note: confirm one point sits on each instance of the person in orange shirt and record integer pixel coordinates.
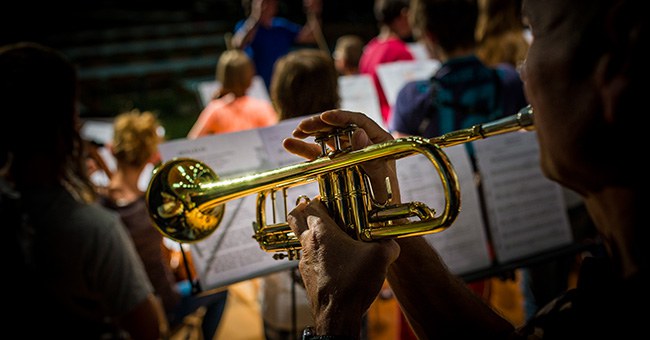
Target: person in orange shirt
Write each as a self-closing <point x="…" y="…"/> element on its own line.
<point x="232" y="109"/>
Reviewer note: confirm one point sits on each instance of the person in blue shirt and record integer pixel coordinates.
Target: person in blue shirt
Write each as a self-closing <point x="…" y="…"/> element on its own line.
<point x="463" y="91"/>
<point x="266" y="37"/>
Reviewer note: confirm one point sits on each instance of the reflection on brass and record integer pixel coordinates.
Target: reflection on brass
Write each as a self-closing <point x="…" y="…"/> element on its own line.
<point x="186" y="199"/>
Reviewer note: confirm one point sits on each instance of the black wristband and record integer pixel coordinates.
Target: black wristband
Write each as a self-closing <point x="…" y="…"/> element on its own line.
<point x="309" y="334"/>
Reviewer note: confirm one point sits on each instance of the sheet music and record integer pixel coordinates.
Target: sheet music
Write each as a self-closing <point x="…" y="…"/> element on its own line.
<point x="231" y="254"/>
<point x="99" y="131"/>
<point x="393" y="76"/>
<point x="464" y="245"/>
<point x="358" y="93"/>
<point x="526" y="211"/>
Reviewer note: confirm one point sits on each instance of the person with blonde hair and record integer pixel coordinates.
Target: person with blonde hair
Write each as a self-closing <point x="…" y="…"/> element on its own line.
<point x="501" y="37"/>
<point x="232" y="109"/>
<point x="136" y="136"/>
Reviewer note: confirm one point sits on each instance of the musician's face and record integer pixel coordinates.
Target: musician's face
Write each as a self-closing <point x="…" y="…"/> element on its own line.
<point x="564" y="100"/>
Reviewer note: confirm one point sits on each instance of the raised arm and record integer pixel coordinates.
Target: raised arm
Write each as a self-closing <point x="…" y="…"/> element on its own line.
<point x="312" y="31"/>
<point x="245" y="34"/>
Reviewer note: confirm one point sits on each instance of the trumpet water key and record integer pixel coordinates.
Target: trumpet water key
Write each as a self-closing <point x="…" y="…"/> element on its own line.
<point x="186" y="199"/>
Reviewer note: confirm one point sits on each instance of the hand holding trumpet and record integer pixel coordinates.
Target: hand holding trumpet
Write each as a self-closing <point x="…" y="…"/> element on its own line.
<point x="329" y="288"/>
<point x="367" y="133"/>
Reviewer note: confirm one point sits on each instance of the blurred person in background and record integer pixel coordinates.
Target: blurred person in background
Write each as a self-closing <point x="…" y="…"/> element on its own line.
<point x="77" y="271"/>
<point x="136" y="136"/>
<point x="388" y="46"/>
<point x="347" y="54"/>
<point x="501" y="37"/>
<point x="232" y="109"/>
<point x="266" y="37"/>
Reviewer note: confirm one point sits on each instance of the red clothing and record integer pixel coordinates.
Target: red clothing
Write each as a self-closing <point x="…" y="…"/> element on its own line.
<point x="378" y="52"/>
<point x="230" y="114"/>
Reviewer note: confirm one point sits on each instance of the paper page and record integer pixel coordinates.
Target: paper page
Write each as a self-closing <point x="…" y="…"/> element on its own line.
<point x="393" y="76"/>
<point x="99" y="131"/>
<point x="526" y="211"/>
<point x="464" y="245"/>
<point x="207" y="89"/>
<point x="231" y="254"/>
<point x="358" y="93"/>
<point x="273" y="137"/>
<point x="418" y="50"/>
<point x="226" y="154"/>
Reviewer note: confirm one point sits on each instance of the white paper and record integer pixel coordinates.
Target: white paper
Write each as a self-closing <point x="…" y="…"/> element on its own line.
<point x="231" y="254"/>
<point x="99" y="131"/>
<point x="358" y="93"/>
<point x="418" y="50"/>
<point x="464" y="245"/>
<point x="527" y="212"/>
<point x="393" y="76"/>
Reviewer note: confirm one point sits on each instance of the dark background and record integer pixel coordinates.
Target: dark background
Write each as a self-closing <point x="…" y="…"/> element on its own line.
<point x="151" y="55"/>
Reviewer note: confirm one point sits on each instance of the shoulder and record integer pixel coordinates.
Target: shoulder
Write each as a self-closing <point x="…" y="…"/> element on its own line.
<point x="99" y="226"/>
<point x="217" y="105"/>
<point x="213" y="105"/>
<point x="260" y="108"/>
<point x="415" y="91"/>
<point x="397" y="45"/>
<point x="391" y="50"/>
<point x="283" y="23"/>
<point x="78" y="217"/>
<point x="413" y="99"/>
<point x="254" y="103"/>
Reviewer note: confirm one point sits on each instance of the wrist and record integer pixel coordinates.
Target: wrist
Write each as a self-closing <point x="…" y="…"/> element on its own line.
<point x="252" y="22"/>
<point x="346" y="325"/>
<point x="309" y="333"/>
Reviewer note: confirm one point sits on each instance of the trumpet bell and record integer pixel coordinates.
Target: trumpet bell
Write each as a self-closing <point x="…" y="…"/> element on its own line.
<point x="172" y="200"/>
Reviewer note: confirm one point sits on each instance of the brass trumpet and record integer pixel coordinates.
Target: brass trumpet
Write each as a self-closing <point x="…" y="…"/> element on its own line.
<point x="186" y="199"/>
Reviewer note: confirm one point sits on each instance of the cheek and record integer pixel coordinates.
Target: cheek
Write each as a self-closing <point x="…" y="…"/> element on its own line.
<point x="532" y="72"/>
<point x="338" y="63"/>
<point x="552" y="150"/>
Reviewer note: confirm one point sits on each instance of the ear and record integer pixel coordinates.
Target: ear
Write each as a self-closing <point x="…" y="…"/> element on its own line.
<point x="615" y="75"/>
<point x="611" y="84"/>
